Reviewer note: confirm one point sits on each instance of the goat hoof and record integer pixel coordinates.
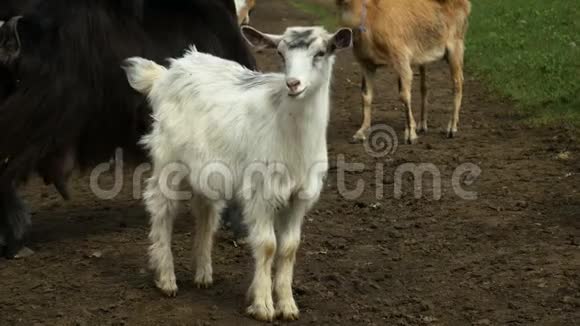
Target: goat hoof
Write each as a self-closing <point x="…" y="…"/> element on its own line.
<point x="410" y="136"/>
<point x="261" y="311"/>
<point x="203" y="286"/>
<point x="24" y="253"/>
<point x="169" y="288"/>
<point x="9" y="253"/>
<point x="171" y="293"/>
<point x="451" y="133"/>
<point x="287" y="310"/>
<point x="203" y="277"/>
<point x="356" y="140"/>
<point x="423" y="130"/>
<point x="14" y="251"/>
<point x="359" y="137"/>
<point x="411" y="140"/>
<point x="203" y="283"/>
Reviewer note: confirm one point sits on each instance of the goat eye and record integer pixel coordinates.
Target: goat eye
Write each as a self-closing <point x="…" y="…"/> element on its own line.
<point x="320" y="54"/>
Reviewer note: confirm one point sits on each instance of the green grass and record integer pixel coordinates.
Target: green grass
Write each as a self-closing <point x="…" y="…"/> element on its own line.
<point x="529" y="51"/>
<point x="524" y="50"/>
<point x="326" y="16"/>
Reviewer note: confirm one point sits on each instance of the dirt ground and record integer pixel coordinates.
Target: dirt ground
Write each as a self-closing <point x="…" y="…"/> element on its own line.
<point x="509" y="257"/>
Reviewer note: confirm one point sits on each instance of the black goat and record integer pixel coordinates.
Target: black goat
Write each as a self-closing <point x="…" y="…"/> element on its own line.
<point x="64" y="100"/>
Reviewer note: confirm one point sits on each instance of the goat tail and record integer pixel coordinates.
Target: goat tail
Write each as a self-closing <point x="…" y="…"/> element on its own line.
<point x="142" y="73"/>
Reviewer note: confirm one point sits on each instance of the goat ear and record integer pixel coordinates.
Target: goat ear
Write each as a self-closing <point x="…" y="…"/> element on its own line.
<point x="9" y="40"/>
<point x="342" y="39"/>
<point x="260" y="40"/>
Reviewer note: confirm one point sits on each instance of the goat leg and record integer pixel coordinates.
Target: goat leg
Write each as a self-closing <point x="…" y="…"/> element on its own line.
<point x="424" y="96"/>
<point x="57" y="170"/>
<point x="14" y="222"/>
<point x="367" y="92"/>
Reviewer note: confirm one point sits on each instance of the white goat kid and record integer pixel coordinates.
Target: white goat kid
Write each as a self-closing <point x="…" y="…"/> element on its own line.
<point x="220" y="119"/>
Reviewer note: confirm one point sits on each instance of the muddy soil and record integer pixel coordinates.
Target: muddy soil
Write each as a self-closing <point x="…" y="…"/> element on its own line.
<point x="510" y="256"/>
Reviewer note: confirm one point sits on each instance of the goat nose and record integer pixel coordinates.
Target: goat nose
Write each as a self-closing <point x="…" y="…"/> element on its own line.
<point x="292" y="83"/>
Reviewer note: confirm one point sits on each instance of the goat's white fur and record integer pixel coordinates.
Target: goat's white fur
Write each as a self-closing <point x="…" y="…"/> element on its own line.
<point x="206" y="110"/>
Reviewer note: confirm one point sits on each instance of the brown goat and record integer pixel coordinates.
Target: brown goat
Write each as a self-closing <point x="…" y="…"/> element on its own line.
<point x="404" y="33"/>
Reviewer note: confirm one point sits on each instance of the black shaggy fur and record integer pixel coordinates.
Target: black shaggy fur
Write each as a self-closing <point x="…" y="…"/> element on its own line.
<point x="16" y="219"/>
<point x="65" y="101"/>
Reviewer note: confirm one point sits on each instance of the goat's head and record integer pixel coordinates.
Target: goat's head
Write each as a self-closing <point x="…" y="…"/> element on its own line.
<point x="307" y="52"/>
<point x="244" y="9"/>
<point x="9" y="53"/>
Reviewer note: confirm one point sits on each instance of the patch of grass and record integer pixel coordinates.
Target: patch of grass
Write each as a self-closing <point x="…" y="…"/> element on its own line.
<point x="529" y="51"/>
<point x="325" y="14"/>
